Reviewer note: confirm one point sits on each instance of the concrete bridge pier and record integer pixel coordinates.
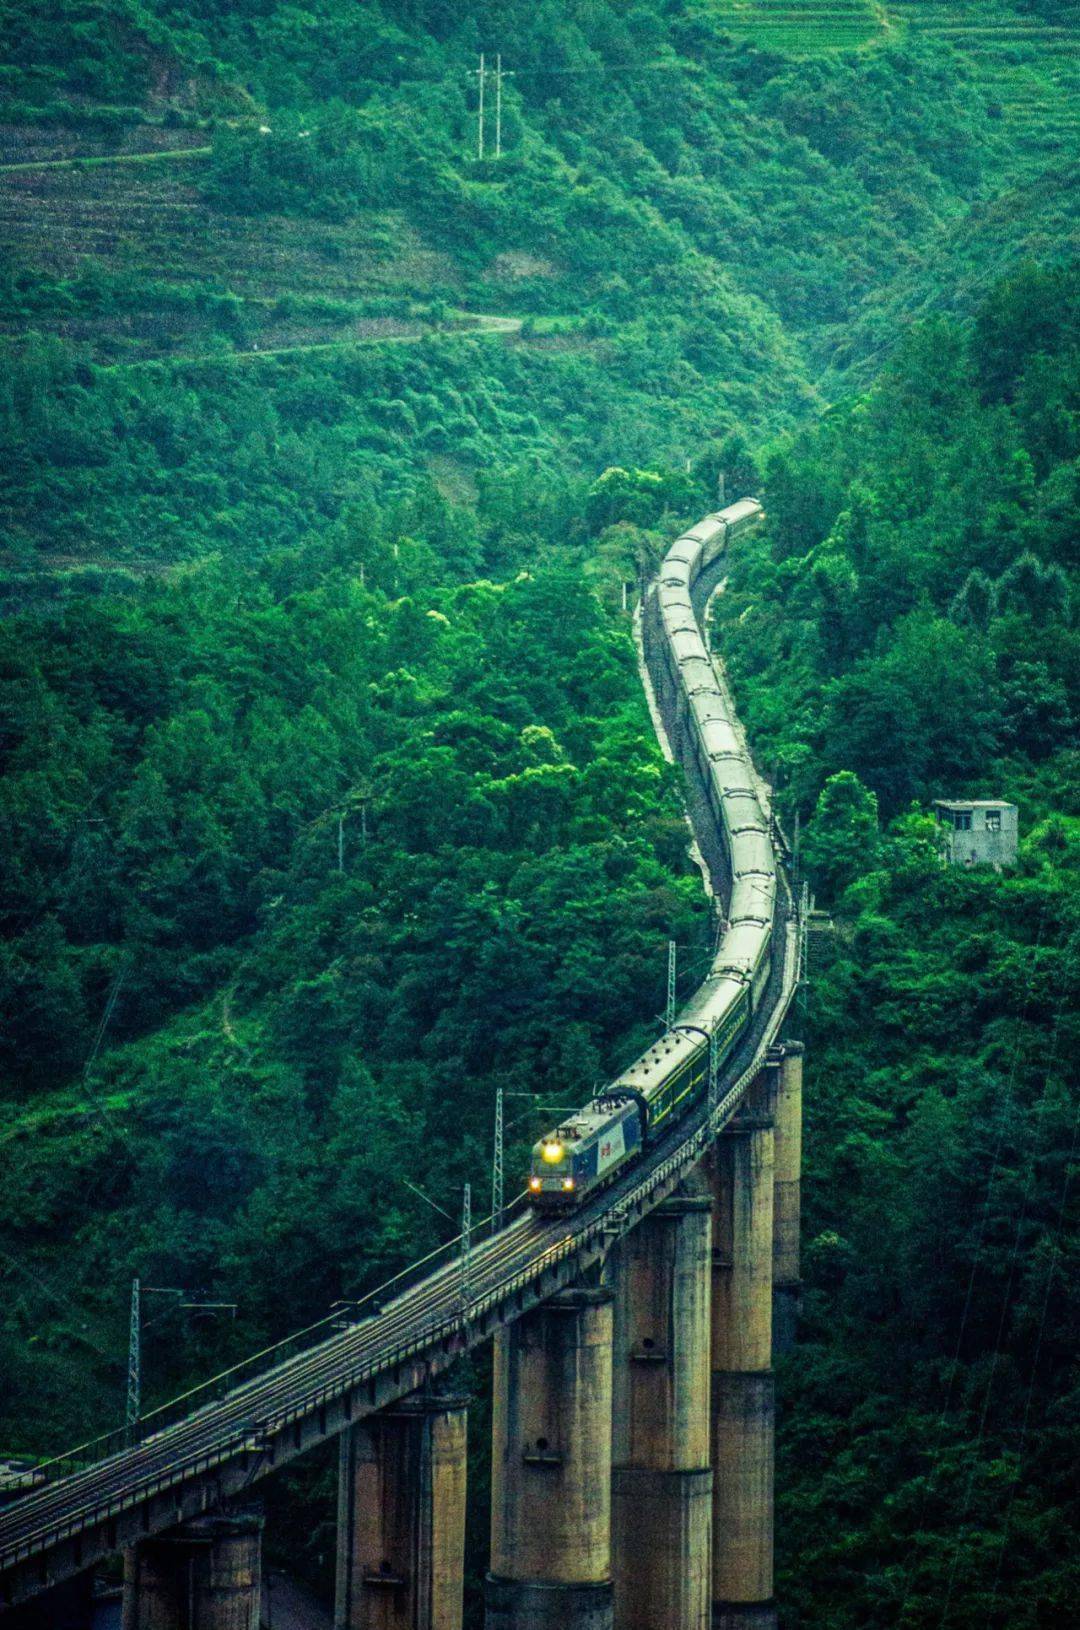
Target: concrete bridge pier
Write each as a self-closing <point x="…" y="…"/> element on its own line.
<point x="662" y="1484"/>
<point x="743" y="1405"/>
<point x="787" y="1282"/>
<point x="401" y="1518"/>
<point x="205" y="1576"/>
<point x="551" y="1468"/>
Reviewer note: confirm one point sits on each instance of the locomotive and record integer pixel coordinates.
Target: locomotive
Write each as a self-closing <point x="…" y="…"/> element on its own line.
<point x="587" y="1151"/>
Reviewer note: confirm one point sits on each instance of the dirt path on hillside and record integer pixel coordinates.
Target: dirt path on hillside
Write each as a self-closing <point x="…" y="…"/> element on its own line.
<point x="483" y="326"/>
<point x="158" y="156"/>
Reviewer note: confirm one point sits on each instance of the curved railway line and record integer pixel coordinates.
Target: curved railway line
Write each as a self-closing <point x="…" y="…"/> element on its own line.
<point x="234" y="1430"/>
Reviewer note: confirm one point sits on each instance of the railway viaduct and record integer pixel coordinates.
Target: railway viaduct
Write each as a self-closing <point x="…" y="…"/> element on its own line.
<point x="633" y="1410"/>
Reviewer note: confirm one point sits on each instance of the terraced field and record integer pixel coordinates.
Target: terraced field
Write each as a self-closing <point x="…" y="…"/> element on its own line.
<point x="805" y="27"/>
<point x="123" y="205"/>
<point x="23" y="145"/>
<point x="237" y="281"/>
<point x="140" y="218"/>
<point x="1029" y="69"/>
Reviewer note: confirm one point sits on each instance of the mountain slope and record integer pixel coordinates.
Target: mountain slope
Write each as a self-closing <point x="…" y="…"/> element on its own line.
<point x="328" y="795"/>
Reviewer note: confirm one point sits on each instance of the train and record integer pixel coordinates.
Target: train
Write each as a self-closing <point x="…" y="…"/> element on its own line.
<point x="586" y="1152"/>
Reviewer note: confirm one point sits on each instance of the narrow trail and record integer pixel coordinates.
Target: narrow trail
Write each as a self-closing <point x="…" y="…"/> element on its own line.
<point x="75" y="162"/>
<point x="484" y="327"/>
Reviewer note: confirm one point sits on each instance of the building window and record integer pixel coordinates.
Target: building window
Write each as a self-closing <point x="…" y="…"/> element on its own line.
<point x="993" y="820"/>
<point x="962" y="820"/>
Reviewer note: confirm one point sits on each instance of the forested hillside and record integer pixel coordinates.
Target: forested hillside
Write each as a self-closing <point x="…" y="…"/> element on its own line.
<point x="908" y="630"/>
<point x="328" y="860"/>
<point x="328" y="792"/>
<point x="692" y="229"/>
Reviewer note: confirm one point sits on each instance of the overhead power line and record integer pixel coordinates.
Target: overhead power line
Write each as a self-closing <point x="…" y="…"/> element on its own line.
<point x="600" y="70"/>
<point x="605" y="68"/>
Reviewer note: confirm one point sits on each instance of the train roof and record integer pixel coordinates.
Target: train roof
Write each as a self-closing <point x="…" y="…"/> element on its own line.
<point x="753" y="895"/>
<point x="701" y="533"/>
<point x="714" y="712"/>
<point x="752" y="851"/>
<point x="712" y="999"/>
<point x="744" y="510"/>
<point x="670" y="1050"/>
<point x="742" y="946"/>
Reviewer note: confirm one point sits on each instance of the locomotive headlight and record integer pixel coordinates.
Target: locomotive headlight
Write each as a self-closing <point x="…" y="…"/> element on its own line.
<point x="553" y="1152"/>
<point x="534" y="1184"/>
<point x="568" y="1184"/>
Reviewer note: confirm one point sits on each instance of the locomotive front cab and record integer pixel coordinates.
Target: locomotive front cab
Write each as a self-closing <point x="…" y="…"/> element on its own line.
<point x="553" y="1181"/>
<point x="582" y="1154"/>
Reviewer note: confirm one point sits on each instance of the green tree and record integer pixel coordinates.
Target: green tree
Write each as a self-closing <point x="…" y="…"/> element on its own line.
<point x="842" y="841"/>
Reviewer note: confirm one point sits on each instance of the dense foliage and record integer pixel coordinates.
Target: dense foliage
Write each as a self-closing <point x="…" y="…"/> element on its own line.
<point x="329" y="799"/>
<point x="709" y="215"/>
<point x="147" y="466"/>
<point x="908" y="630"/>
<point x="322" y="862"/>
<point x="912" y="618"/>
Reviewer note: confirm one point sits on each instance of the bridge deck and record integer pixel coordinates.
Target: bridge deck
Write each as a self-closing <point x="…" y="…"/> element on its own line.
<point x="216" y="1452"/>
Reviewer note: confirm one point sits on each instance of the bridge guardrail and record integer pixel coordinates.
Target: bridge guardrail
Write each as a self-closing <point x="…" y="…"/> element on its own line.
<point x="258" y="1365"/>
<point x="424" y="1335"/>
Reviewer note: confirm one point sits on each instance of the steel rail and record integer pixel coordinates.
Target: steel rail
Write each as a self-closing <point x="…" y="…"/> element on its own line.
<point x="383" y="1336"/>
<point x="419" y="1316"/>
<point x="210" y="1388"/>
<point x="425" y="1315"/>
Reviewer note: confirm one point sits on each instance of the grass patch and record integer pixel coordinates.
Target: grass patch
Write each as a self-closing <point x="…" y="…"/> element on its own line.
<point x="805" y="27"/>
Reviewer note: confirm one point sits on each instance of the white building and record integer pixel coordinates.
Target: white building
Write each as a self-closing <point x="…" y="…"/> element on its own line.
<point x="978" y="831"/>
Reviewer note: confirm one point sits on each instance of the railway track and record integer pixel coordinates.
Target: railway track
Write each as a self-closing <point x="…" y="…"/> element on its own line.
<point x="223" y="1443"/>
